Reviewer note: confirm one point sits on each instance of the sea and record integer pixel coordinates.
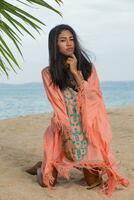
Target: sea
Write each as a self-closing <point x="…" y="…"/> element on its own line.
<point x="30" y="98"/>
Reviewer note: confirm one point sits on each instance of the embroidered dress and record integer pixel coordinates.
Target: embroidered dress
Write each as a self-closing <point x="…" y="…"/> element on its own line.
<point x="77" y="138"/>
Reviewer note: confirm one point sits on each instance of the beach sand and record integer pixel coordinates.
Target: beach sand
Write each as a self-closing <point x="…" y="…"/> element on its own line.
<point x="21" y="142"/>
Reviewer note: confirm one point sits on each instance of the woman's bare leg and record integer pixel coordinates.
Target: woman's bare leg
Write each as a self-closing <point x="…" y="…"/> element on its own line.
<point x="40" y="178"/>
<point x="55" y="174"/>
<point x="91" y="178"/>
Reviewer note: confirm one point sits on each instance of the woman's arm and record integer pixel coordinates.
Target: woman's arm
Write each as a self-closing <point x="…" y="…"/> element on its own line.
<point x="55" y="98"/>
<point x="89" y="97"/>
<point x="78" y="78"/>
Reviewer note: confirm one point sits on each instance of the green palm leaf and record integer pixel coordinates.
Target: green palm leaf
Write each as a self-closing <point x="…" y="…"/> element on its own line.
<point x="12" y="28"/>
<point x="14" y="22"/>
<point x="4" y="53"/>
<point x="6" y="48"/>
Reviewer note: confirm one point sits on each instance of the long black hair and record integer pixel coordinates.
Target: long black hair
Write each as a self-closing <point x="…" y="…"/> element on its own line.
<point x="57" y="66"/>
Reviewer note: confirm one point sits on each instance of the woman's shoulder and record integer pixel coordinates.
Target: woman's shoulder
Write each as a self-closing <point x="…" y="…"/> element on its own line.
<point x="93" y="66"/>
<point x="94" y="71"/>
<point x="45" y="70"/>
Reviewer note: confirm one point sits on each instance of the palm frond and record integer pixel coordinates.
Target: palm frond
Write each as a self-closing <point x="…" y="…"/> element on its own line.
<point x="12" y="27"/>
<point x="8" y="51"/>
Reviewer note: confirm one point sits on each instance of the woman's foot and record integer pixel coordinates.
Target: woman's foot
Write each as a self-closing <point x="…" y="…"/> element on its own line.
<point x="33" y="170"/>
<point x="92" y="178"/>
<point x="40" y="178"/>
<point x="97" y="183"/>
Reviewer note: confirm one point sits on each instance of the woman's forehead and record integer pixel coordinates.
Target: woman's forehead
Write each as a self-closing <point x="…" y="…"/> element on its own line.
<point x="65" y="33"/>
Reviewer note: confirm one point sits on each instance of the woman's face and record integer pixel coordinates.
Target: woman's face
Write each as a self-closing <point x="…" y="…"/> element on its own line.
<point x="66" y="43"/>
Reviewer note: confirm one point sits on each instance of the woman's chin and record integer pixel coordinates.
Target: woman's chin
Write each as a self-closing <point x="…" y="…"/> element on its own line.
<point x="69" y="53"/>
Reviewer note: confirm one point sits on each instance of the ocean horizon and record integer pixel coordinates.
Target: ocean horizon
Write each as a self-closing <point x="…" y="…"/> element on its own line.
<point x="30" y="98"/>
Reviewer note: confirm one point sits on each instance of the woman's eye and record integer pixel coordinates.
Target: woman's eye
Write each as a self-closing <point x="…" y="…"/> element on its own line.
<point x="65" y="40"/>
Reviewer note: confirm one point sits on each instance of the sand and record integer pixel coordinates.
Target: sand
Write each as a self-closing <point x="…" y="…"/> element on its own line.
<point x="21" y="146"/>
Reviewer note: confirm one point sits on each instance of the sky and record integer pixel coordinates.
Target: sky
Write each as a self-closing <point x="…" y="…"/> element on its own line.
<point x="105" y="29"/>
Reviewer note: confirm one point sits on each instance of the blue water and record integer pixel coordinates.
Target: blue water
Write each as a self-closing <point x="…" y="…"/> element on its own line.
<point x="26" y="99"/>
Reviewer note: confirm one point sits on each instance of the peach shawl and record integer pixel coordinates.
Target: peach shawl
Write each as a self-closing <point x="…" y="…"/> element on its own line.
<point x="95" y="122"/>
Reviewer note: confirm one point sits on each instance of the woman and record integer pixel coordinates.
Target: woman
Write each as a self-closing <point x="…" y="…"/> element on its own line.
<point x="79" y="135"/>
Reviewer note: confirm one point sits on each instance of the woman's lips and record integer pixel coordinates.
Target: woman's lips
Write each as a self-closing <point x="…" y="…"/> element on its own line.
<point x="69" y="49"/>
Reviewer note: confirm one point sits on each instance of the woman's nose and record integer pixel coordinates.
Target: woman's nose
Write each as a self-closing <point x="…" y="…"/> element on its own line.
<point x="69" y="43"/>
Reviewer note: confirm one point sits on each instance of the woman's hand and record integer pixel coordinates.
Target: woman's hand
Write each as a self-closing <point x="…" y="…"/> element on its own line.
<point x="72" y="62"/>
<point x="69" y="149"/>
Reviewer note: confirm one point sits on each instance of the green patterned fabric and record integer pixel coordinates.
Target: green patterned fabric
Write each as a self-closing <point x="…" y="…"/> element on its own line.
<point x="78" y="137"/>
